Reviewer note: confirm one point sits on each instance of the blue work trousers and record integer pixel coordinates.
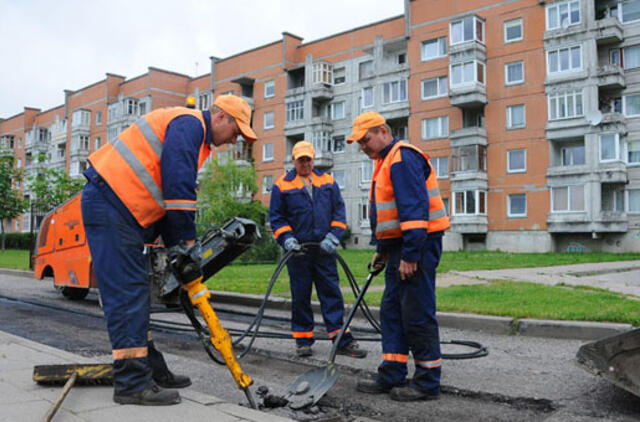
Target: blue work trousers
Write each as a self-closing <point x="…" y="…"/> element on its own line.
<point x="408" y="319"/>
<point x="319" y="268"/>
<point x="116" y="242"/>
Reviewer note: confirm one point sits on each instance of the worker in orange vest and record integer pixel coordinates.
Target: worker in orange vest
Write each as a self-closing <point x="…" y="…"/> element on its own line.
<point x="408" y="219"/>
<point x="140" y="184"/>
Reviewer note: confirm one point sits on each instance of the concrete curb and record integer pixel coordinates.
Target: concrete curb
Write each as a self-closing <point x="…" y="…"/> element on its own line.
<point x="16" y="273"/>
<point x="573" y="330"/>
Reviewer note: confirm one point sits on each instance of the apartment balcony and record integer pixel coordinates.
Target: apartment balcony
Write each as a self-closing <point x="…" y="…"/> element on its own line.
<point x="608" y="31"/>
<point x="567" y="128"/>
<point x="611" y="76"/>
<point x="610" y="222"/>
<point x="468" y="136"/>
<point x="321" y="123"/>
<point x="613" y="172"/>
<point x="294" y="127"/>
<point x="323" y="160"/>
<point x="559" y="174"/>
<point x="80" y="129"/>
<point x="468" y="50"/>
<point x="78" y="154"/>
<point x="472" y="95"/>
<point x="321" y="92"/>
<point x="579" y="222"/>
<point x="469" y="224"/>
<point x="395" y="110"/>
<point x="614" y="122"/>
<point x="294" y="92"/>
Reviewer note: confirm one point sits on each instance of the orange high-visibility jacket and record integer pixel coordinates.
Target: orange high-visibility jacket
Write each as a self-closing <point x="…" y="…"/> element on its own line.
<point x="131" y="164"/>
<point x="388" y="222"/>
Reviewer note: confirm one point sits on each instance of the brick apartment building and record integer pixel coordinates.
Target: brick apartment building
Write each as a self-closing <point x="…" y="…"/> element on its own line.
<point x="529" y="109"/>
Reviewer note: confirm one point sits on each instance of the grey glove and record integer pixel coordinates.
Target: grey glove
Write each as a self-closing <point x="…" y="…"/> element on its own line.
<point x="292" y="244"/>
<point x="329" y="243"/>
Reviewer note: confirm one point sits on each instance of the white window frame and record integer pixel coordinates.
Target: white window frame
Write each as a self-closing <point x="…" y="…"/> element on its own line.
<point x="439" y="167"/>
<point x="629" y="151"/>
<point x="96" y="143"/>
<point x="439" y="44"/>
<point x="628" y="55"/>
<point x="294" y="110"/>
<point x="477" y="197"/>
<point x="334" y="144"/>
<point x="569" y="189"/>
<point x="628" y="201"/>
<point x="340" y="105"/>
<point x="322" y="73"/>
<point x="267" y="184"/>
<point x="510" y="23"/>
<point x="624" y="105"/>
<point x="267" y="153"/>
<point x="475" y="19"/>
<point x="204" y="101"/>
<point x="442" y="84"/>
<point x="362" y="75"/>
<point x="270" y="89"/>
<point x="621" y="14"/>
<point x="364" y="208"/>
<point x="269" y="115"/>
<point x="366" y="166"/>
<point x="373" y="97"/>
<point x="557" y="50"/>
<point x="475" y="80"/>
<point x="334" y="173"/>
<point x="617" y="148"/>
<point x="510" y="213"/>
<point x="556" y="6"/>
<point x="516" y="170"/>
<point x="98" y="118"/>
<point x="506" y="73"/>
<point x="510" y="109"/>
<point x="619" y="195"/>
<point x="395" y="89"/>
<point x="344" y="72"/>
<point x="569" y="148"/>
<point x="567" y="109"/>
<point x="443" y="127"/>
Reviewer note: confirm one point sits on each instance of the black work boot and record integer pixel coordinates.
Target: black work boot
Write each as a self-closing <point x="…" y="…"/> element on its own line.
<point x="408" y="393"/>
<point x="352" y="350"/>
<point x="372" y="387"/>
<point x="152" y="395"/>
<point x="303" y="350"/>
<point x="161" y="373"/>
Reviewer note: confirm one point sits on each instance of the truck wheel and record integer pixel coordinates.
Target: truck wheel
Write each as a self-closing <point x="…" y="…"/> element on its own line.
<point x="74" y="293"/>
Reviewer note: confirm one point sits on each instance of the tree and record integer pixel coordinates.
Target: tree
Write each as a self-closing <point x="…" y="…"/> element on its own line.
<point x="11" y="202"/>
<point x="51" y="187"/>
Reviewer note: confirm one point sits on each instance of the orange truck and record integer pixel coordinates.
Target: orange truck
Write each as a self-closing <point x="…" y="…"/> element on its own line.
<point x="62" y="251"/>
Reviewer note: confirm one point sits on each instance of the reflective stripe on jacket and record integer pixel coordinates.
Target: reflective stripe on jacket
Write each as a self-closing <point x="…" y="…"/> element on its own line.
<point x="293" y="212"/>
<point x="131" y="164"/>
<point x="388" y="224"/>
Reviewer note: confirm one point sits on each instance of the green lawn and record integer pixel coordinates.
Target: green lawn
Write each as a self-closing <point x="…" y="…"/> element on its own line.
<point x="15" y="259"/>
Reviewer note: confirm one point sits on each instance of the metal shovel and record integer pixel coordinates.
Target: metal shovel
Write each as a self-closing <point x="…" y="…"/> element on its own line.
<point x="313" y="384"/>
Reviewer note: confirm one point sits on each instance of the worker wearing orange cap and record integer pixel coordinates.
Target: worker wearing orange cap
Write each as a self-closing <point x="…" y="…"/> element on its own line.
<point x="141" y="184"/>
<point x="306" y="207"/>
<point x="408" y="219"/>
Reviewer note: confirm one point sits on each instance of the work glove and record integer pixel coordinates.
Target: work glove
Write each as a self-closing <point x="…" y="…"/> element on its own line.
<point x="185" y="262"/>
<point x="292" y="244"/>
<point x="329" y="243"/>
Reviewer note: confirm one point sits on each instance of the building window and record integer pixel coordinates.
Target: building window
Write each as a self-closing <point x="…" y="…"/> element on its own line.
<point x="434" y="49"/>
<point x="337" y="110"/>
<point x="609" y="147"/>
<point x="469" y="202"/>
<point x="563" y="14"/>
<point x="566" y="59"/>
<point x="204" y="101"/>
<point x="436" y="127"/>
<point x="633" y="152"/>
<point x="517" y="205"/>
<point x="337" y="144"/>
<point x="567" y="198"/>
<point x="96" y="143"/>
<point x="394" y="92"/>
<point x="367" y="97"/>
<point x="267" y="184"/>
<point x="516" y="161"/>
<point x="514" y="73"/>
<point x="630" y="57"/>
<point x="516" y="116"/>
<point x="269" y="89"/>
<point x="320" y="140"/>
<point x="631" y="105"/>
<point x="513" y="31"/>
<point x="469" y="158"/>
<point x="19" y="163"/>
<point x="81" y="118"/>
<point x="573" y="155"/>
<point x="441" y="166"/>
<point x="615" y="56"/>
<point x="338" y="176"/>
<point x="269" y="120"/>
<point x="633" y="201"/>
<point x="267" y="152"/>
<point x="366" y="171"/>
<point x="322" y="73"/>
<point x="365" y="69"/>
<point x="402" y="58"/>
<point x="467" y="73"/>
<point x="630" y="11"/>
<point x="339" y="76"/>
<point x="435" y="87"/>
<point x="364" y="211"/>
<point x="295" y="111"/>
<point x="98" y="118"/>
<point x="565" y="105"/>
<point x="612" y="197"/>
<point x="467" y="29"/>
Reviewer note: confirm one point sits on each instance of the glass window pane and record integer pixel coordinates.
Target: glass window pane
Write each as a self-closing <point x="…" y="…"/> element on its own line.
<point x="442" y="43"/>
<point x="577" y="198"/>
<point x="634" y="200"/>
<point x="576" y="57"/>
<point x="553" y="61"/>
<point x="479" y="31"/>
<point x="631" y="11"/>
<point x="564" y="59"/>
<point x="575" y="12"/>
<point x="632" y="57"/>
<point x="468" y="29"/>
<point x="470" y="197"/>
<point x="456" y="74"/>
<point x="456" y="32"/>
<point x="468" y="72"/>
<point x="430" y="88"/>
<point x="459" y="198"/>
<point x="608" y="146"/>
<point x="560" y="199"/>
<point x="632" y="105"/>
<point x="514" y="31"/>
<point x="443" y="87"/>
<point x="552" y="17"/>
<point x="578" y="155"/>
<point x="517" y="204"/>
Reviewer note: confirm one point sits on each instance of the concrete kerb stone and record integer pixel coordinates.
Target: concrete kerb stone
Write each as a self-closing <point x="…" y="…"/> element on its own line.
<point x="578" y="330"/>
<point x="16" y="273"/>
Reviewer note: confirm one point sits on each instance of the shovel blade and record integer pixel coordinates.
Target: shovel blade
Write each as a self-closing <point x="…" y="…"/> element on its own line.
<point x="311" y="386"/>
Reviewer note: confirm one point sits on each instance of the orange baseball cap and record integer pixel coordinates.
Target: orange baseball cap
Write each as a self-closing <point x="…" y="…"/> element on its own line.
<point x="363" y="123"/>
<point x="303" y="149"/>
<point x="240" y="110"/>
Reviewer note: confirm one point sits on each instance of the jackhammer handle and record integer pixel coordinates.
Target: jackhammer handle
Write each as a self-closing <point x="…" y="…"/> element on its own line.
<point x="376" y="268"/>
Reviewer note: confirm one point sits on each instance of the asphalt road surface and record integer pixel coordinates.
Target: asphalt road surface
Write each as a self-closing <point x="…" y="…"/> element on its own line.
<point x="522" y="379"/>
